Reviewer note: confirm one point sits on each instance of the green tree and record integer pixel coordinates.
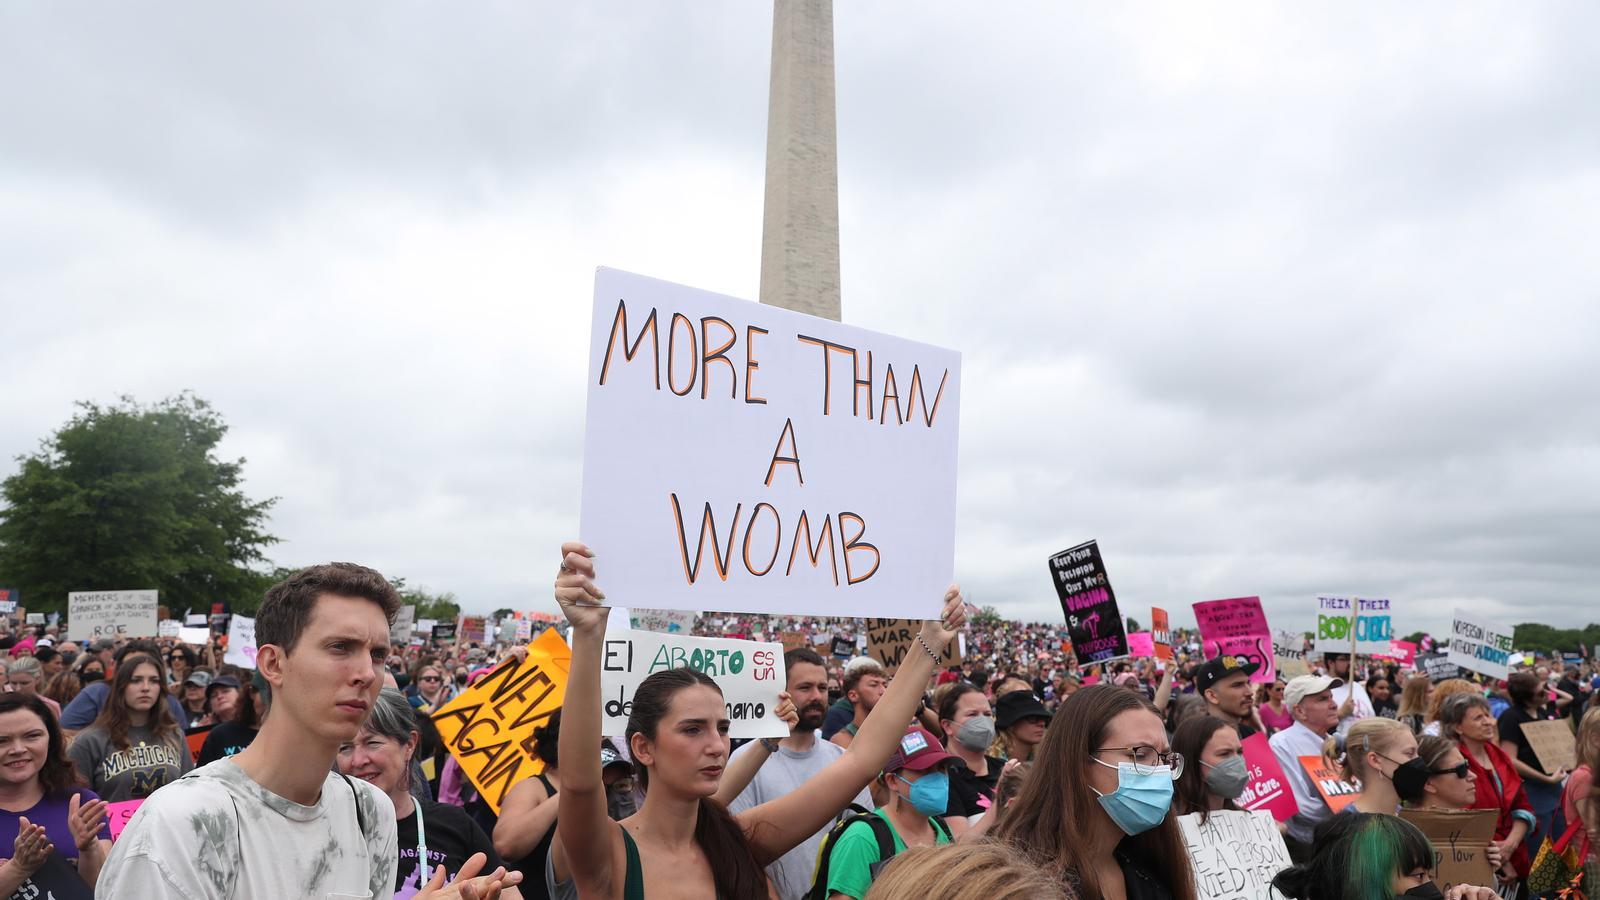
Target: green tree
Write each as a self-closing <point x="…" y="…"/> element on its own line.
<point x="129" y="496"/>
<point x="439" y="607"/>
<point x="502" y="613"/>
<point x="1133" y="625"/>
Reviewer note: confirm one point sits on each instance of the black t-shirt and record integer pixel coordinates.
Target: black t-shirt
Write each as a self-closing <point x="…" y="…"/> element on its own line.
<point x="1510" y="724"/>
<point x="224" y="741"/>
<point x="1572" y="688"/>
<point x="1246" y="731"/>
<point x="452" y="838"/>
<point x="972" y="794"/>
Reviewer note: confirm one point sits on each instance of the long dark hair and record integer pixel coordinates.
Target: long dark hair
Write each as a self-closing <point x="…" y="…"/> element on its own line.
<point x="1190" y="794"/>
<point x="114" y="715"/>
<point x="1045" y="821"/>
<point x="727" y="849"/>
<point x="58" y="774"/>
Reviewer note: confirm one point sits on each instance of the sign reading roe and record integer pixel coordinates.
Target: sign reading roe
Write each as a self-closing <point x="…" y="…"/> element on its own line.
<point x="750" y="458"/>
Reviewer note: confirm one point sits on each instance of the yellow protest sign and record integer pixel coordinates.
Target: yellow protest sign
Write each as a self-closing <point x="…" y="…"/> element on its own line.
<point x="489" y="727"/>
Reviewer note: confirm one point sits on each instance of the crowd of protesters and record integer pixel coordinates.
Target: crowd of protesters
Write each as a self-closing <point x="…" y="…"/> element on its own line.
<point x="1018" y="773"/>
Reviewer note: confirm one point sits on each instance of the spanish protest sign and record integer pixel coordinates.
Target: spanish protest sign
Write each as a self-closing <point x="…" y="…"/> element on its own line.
<point x="1268" y="787"/>
<point x="750" y="674"/>
<point x="1234" y="854"/>
<point x="1374" y="628"/>
<point x="1094" y="623"/>
<point x="110" y="614"/>
<point x="888" y="641"/>
<point x="745" y="457"/>
<point x="1237" y="628"/>
<point x="489" y="727"/>
<point x="1460" y="838"/>
<point x="1480" y="645"/>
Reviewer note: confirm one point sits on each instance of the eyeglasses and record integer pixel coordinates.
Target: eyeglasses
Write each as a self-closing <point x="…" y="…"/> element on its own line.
<point x="1147" y="760"/>
<point x="1461" y="770"/>
<point x="430" y="678"/>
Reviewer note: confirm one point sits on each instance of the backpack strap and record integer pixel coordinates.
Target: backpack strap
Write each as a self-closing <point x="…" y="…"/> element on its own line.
<point x="942" y="826"/>
<point x="355" y="797"/>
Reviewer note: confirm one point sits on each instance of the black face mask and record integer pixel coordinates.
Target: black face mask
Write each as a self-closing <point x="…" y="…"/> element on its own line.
<point x="1409" y="779"/>
<point x="1427" y="891"/>
<point x="833" y="696"/>
<point x="88" y="675"/>
<point x="461" y="679"/>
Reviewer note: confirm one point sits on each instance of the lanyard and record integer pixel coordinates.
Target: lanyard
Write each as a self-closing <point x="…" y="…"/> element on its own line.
<point x="422" y="848"/>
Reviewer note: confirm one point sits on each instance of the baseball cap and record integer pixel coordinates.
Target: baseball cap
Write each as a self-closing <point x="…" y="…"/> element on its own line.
<point x="610" y="757"/>
<point x="1305" y="685"/>
<point x="1214" y="670"/>
<point x="224" y="681"/>
<point x="198" y="678"/>
<point x="1013" y="706"/>
<point x="918" y="751"/>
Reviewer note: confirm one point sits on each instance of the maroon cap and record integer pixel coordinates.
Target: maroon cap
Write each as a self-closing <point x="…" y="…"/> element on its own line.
<point x="918" y="751"/>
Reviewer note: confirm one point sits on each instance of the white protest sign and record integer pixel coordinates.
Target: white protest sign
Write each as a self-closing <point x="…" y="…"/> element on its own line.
<point x="1234" y="854"/>
<point x="92" y="615"/>
<point x="1372" y="620"/>
<point x="426" y="627"/>
<point x="524" y="630"/>
<point x="1480" y="645"/>
<point x="400" y="631"/>
<point x="196" y="620"/>
<point x="745" y="457"/>
<point x="241" y="642"/>
<point x="666" y="621"/>
<point x="749" y="673"/>
<point x="197" y="636"/>
<point x="168" y="628"/>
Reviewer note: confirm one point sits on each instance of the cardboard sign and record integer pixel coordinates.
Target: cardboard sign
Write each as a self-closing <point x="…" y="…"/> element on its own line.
<point x="1371" y="619"/>
<point x="1289" y="654"/>
<point x="843" y="648"/>
<point x="1459" y="838"/>
<point x="1235" y="855"/>
<point x="1554" y="743"/>
<point x="1237" y="628"/>
<point x="1336" y="792"/>
<point x="750" y="674"/>
<point x="1160" y="632"/>
<point x="745" y="457"/>
<point x="793" y="640"/>
<point x="666" y="621"/>
<point x="196" y="636"/>
<point x="400" y="631"/>
<point x="488" y="728"/>
<point x="241" y="642"/>
<point x="889" y="640"/>
<point x="1480" y="645"/>
<point x="118" y="814"/>
<point x="92" y="615"/>
<point x="1141" y="644"/>
<point x="1094" y="623"/>
<point x="1268" y="788"/>
<point x="1437" y="666"/>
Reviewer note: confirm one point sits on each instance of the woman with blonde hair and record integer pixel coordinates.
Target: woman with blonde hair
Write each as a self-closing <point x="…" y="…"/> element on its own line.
<point x="970" y="870"/>
<point x="1414" y="698"/>
<point x="1579" y="800"/>
<point x="1443" y="691"/>
<point x="1381" y="755"/>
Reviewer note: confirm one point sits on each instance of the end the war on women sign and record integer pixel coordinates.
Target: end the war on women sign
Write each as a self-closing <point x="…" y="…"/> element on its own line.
<point x="745" y="457"/>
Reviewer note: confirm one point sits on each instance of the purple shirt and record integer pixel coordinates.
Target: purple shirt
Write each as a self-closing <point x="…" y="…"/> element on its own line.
<point x="51" y="812"/>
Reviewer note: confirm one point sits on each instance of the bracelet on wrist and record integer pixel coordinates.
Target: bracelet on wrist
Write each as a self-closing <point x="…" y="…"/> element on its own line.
<point x="770" y="743"/>
<point x="931" y="655"/>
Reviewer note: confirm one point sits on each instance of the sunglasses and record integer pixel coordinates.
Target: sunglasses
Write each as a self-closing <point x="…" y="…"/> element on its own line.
<point x="1461" y="770"/>
<point x="430" y="678"/>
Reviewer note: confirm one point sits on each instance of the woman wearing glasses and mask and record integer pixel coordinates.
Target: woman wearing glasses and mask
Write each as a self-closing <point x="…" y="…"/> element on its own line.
<point x="1102" y="823"/>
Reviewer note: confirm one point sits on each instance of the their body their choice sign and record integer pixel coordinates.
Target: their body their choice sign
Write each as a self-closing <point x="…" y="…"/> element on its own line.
<point x="750" y="674"/>
<point x="745" y="457"/>
<point x="110" y="614"/>
<point x="1371" y="619"/>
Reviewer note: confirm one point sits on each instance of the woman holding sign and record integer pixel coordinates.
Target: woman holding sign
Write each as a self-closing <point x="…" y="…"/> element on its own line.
<point x="1466" y="718"/>
<point x="1450" y="784"/>
<point x="54" y="831"/>
<point x="681" y="841"/>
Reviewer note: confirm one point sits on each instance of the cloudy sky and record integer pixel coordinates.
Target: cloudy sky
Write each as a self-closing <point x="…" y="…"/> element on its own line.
<point x="1268" y="299"/>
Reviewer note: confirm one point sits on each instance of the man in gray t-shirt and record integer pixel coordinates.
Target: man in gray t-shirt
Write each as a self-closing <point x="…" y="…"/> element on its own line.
<point x="792" y="762"/>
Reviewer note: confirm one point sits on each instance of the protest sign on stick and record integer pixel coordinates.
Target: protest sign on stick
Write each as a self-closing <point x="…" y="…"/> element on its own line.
<point x="1268" y="788"/>
<point x="745" y="457"/>
<point x="1552" y="742"/>
<point x="1160" y="632"/>
<point x="1459" y="838"/>
<point x="1480" y="645"/>
<point x="1353" y="625"/>
<point x="888" y="641"/>
<point x="1237" y="628"/>
<point x="241" y="642"/>
<point x="1335" y="791"/>
<point x="750" y="674"/>
<point x="92" y="615"/>
<point x="1289" y="654"/>
<point x="489" y="727"/>
<point x="1234" y="854"/>
<point x="1093" y="621"/>
<point x="400" y="631"/>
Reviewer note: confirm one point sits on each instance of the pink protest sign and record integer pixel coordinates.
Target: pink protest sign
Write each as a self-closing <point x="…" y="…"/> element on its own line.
<point x="1141" y="643"/>
<point x="120" y="813"/>
<point x="1267" y="789"/>
<point x="1237" y="627"/>
<point x="1402" y="652"/>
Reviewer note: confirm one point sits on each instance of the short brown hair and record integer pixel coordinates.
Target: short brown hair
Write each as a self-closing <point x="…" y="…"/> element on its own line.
<point x="860" y="670"/>
<point x="286" y="610"/>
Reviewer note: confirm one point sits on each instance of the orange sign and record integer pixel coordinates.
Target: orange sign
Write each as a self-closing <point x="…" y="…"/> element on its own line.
<point x="1335" y="791"/>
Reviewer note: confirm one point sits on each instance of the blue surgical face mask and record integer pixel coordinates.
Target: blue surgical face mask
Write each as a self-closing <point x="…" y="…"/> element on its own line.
<point x="930" y="794"/>
<point x="1140" y="802"/>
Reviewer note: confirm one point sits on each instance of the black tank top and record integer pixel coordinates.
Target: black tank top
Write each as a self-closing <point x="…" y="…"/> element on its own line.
<point x="532" y="866"/>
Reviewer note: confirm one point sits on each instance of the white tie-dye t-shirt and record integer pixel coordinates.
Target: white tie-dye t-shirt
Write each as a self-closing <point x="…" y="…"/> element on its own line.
<point x="218" y="835"/>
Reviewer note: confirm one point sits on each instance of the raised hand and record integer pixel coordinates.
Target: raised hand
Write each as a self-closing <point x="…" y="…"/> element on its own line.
<point x="938" y="632"/>
<point x="31" y="848"/>
<point x="84" y="821"/>
<point x="580" y="599"/>
<point x="468" y="885"/>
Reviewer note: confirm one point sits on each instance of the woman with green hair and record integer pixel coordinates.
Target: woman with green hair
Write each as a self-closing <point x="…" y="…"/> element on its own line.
<point x="1370" y="856"/>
